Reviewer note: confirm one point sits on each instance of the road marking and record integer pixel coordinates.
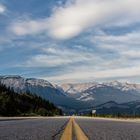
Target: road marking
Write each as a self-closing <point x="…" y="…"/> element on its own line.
<point x="78" y="132"/>
<point x="67" y="134"/>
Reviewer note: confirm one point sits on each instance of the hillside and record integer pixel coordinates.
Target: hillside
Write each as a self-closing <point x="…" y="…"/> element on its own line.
<point x="14" y="104"/>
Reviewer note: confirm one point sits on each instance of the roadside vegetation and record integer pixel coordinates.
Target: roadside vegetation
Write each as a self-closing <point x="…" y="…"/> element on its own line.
<point x="24" y="104"/>
<point x="117" y="115"/>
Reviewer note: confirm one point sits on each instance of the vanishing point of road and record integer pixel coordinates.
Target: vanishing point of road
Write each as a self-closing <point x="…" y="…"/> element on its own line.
<point x="68" y="128"/>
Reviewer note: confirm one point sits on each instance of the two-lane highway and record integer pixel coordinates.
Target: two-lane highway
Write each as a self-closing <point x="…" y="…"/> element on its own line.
<point x="63" y="128"/>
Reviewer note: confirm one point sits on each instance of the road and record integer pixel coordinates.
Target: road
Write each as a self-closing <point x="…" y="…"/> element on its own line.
<point x="98" y="129"/>
<point x="60" y="127"/>
<point x="32" y="129"/>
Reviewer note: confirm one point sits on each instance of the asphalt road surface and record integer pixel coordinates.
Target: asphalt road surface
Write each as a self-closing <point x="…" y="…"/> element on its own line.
<point x="32" y="129"/>
<point x="53" y="128"/>
<point x="98" y="129"/>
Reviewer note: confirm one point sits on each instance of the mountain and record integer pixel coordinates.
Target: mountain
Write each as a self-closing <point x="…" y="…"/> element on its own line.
<point x="44" y="89"/>
<point x="114" y="108"/>
<point x="14" y="104"/>
<point x="98" y="93"/>
<point x="72" y="98"/>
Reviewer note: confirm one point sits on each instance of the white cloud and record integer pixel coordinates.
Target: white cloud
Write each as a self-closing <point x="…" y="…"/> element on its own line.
<point x="131" y="38"/>
<point x="59" y="57"/>
<point x="76" y="16"/>
<point x="132" y="53"/>
<point x="95" y="65"/>
<point x="91" y="74"/>
<point x="124" y="48"/>
<point x="127" y="45"/>
<point x="28" y="27"/>
<point x="92" y="66"/>
<point x="83" y="63"/>
<point x="2" y="9"/>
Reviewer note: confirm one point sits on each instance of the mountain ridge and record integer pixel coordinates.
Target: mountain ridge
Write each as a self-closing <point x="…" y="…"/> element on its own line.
<point x="47" y="91"/>
<point x="75" y="97"/>
<point x="96" y="90"/>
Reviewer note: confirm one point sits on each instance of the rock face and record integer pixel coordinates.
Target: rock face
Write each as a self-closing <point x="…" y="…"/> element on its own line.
<point x="75" y="97"/>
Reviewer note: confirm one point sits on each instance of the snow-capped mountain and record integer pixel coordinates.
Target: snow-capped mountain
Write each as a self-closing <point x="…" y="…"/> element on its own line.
<point x="97" y="93"/>
<point x="75" y="97"/>
<point x="44" y="89"/>
<point x="20" y="83"/>
<point x="75" y="88"/>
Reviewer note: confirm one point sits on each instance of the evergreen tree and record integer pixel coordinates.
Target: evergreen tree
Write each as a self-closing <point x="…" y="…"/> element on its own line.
<point x="16" y="104"/>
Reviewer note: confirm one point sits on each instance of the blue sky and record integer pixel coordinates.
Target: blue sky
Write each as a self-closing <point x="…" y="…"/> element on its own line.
<point x="71" y="40"/>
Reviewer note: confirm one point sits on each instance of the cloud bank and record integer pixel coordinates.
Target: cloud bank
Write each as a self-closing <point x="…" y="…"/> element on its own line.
<point x="54" y="56"/>
<point x="69" y="20"/>
<point x="106" y="46"/>
<point x="96" y="75"/>
<point x="110" y="57"/>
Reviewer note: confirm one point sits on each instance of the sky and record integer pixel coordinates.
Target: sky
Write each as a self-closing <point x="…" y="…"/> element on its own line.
<point x="65" y="41"/>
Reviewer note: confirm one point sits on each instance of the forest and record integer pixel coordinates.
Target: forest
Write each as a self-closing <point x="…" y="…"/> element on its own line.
<point x="25" y="104"/>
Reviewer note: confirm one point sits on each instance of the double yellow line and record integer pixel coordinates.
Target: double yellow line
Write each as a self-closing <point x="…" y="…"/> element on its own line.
<point x="67" y="134"/>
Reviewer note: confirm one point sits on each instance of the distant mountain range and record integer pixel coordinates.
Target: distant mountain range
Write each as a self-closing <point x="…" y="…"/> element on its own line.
<point x="44" y="89"/>
<point x="114" y="108"/>
<point x="98" y="93"/>
<point x="76" y="97"/>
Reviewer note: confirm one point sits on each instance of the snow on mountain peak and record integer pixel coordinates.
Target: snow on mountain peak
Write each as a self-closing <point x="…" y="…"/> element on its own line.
<point x="38" y="82"/>
<point x="81" y="87"/>
<point x="19" y="82"/>
<point x="12" y="81"/>
<point x="89" y="92"/>
<point x="106" y="91"/>
<point x="74" y="88"/>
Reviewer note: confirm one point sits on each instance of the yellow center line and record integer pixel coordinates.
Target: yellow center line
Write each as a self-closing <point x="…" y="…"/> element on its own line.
<point x="78" y="132"/>
<point x="67" y="134"/>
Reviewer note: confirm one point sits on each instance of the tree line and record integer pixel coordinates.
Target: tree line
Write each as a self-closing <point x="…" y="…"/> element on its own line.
<point x="24" y="104"/>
